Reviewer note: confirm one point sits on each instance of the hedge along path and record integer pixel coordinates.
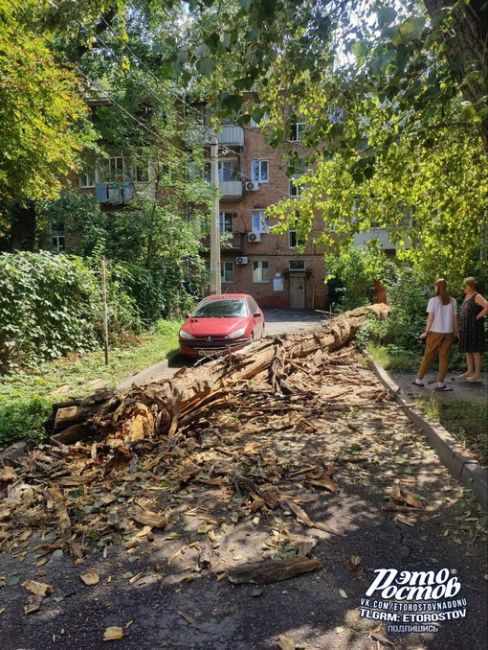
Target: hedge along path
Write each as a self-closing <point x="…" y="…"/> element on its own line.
<point x="93" y="481"/>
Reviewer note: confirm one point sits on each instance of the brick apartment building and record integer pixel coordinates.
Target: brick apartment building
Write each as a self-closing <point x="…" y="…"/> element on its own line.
<point x="252" y="177"/>
<point x="272" y="268"/>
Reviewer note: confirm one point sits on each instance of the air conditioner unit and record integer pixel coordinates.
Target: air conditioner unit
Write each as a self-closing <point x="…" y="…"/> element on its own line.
<point x="242" y="261"/>
<point x="252" y="186"/>
<point x="254" y="236"/>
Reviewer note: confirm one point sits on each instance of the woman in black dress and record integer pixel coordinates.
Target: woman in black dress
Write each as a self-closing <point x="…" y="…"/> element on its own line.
<point x="471" y="329"/>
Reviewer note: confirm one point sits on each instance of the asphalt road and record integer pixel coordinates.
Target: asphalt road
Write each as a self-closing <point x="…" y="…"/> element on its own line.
<point x="278" y="321"/>
<point x="160" y="592"/>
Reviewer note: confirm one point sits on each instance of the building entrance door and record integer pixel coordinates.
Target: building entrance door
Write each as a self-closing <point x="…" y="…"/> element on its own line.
<point x="297" y="291"/>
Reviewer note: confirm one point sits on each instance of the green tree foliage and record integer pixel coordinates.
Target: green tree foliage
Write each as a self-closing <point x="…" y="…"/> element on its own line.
<point x="43" y="122"/>
<point x="47" y="307"/>
<point x="50" y="305"/>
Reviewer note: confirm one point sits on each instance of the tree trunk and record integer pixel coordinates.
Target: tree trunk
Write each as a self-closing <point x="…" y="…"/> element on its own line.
<point x="23" y="227"/>
<point x="168" y="407"/>
<point x="465" y="36"/>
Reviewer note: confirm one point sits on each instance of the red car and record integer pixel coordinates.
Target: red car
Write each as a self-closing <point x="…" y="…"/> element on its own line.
<point x="221" y="323"/>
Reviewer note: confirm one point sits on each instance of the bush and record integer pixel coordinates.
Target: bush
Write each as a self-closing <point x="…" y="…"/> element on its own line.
<point x="355" y="271"/>
<point x="50" y="305"/>
<point x="47" y="307"/>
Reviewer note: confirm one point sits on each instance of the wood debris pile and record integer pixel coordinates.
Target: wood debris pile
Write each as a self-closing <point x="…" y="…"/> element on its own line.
<point x="118" y="465"/>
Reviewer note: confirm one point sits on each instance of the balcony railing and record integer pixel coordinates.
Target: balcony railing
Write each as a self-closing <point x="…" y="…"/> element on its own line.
<point x="229" y="243"/>
<point x="231" y="134"/>
<point x="380" y="234"/>
<point x="231" y="190"/>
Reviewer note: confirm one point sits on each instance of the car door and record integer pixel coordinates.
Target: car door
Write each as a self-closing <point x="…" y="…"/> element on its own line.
<point x="258" y="320"/>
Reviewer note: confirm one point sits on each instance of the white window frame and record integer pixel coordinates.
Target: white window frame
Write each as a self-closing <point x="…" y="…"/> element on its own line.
<point x="90" y="172"/>
<point x="297" y="129"/>
<point x="263" y="226"/>
<point x="259" y="177"/>
<point x="257" y="271"/>
<point x="227" y="267"/>
<point x="111" y="166"/>
<point x="133" y="171"/>
<point x="297" y="242"/>
<point x="225" y="217"/>
<point x="56" y="240"/>
<point x="294" y="190"/>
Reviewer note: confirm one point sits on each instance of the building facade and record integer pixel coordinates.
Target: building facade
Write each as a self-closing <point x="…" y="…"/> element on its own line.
<point x="277" y="269"/>
<point x="273" y="268"/>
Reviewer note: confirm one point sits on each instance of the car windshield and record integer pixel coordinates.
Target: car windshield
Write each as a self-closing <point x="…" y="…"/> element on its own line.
<point x="220" y="309"/>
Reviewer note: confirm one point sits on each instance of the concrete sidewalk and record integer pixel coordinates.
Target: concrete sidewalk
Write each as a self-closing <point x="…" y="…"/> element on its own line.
<point x="476" y="393"/>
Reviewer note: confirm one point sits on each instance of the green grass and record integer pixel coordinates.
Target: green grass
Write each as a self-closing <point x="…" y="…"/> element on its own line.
<point x="392" y="358"/>
<point x="467" y="423"/>
<point x="26" y="397"/>
<point x="397" y="359"/>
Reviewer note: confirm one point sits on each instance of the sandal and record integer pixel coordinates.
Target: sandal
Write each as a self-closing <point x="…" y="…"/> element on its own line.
<point x="419" y="385"/>
<point x="443" y="388"/>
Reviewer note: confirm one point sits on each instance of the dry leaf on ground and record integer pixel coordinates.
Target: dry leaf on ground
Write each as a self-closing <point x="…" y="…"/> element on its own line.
<point x="113" y="633"/>
<point x="90" y="577"/>
<point x="41" y="589"/>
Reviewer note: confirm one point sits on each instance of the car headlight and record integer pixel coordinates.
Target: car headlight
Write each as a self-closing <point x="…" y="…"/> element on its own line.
<point x="185" y="335"/>
<point x="236" y="334"/>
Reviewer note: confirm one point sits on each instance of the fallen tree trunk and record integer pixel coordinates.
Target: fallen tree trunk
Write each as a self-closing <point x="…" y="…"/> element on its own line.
<point x="167" y="407"/>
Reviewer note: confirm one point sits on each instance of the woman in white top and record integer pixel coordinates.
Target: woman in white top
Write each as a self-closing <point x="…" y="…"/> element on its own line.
<point x="440" y="330"/>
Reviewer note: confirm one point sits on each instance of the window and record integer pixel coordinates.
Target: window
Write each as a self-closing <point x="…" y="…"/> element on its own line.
<point x="260" y="271"/>
<point x="296" y="131"/>
<point x="260" y="223"/>
<point x="227" y="272"/>
<point x="260" y="171"/>
<point x="111" y="170"/>
<point x="140" y="171"/>
<point x="296" y="265"/>
<point x="88" y="176"/>
<point x="226" y="170"/>
<point x="294" y="190"/>
<point x="225" y="221"/>
<point x="221" y="308"/>
<point x="293" y="239"/>
<point x="58" y="241"/>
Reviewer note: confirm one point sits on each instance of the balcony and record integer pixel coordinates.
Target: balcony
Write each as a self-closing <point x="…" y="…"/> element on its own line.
<point x="380" y="234"/>
<point x="230" y="135"/>
<point x="230" y="190"/>
<point x="233" y="242"/>
<point x="114" y="193"/>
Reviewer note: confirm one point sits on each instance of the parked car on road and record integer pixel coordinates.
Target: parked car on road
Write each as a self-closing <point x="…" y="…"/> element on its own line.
<point x="221" y="323"/>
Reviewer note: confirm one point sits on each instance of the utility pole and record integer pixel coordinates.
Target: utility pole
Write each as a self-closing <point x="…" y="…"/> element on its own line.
<point x="103" y="273"/>
<point x="215" y="280"/>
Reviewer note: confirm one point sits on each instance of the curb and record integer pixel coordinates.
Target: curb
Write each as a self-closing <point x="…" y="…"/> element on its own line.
<point x="460" y="462"/>
<point x="132" y="379"/>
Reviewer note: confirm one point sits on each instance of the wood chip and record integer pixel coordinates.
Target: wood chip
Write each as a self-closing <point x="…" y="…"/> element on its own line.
<point x="267" y="571"/>
<point x="113" y="633"/>
<point x="148" y="518"/>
